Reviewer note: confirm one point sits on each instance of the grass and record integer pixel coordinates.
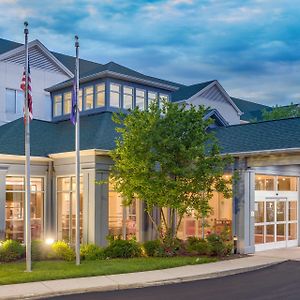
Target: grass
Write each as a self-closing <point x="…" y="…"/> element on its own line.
<point x="11" y="273"/>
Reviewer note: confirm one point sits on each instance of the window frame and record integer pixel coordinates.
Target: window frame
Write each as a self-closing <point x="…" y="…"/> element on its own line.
<point x="55" y="103"/>
<point x="128" y="94"/>
<point x="114" y="92"/>
<point x="140" y="97"/>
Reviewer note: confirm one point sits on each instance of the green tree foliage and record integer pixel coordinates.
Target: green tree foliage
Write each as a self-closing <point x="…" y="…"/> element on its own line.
<point x="281" y="112"/>
<point x="168" y="158"/>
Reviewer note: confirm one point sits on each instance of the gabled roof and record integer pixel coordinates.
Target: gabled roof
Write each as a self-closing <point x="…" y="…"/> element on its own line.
<point x="251" y="110"/>
<point x="186" y="92"/>
<point x="260" y="136"/>
<point x="6" y="45"/>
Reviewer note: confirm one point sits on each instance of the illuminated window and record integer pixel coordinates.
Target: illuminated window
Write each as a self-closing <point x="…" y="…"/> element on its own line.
<point x="67" y="103"/>
<point x="114" y="95"/>
<point x="100" y="95"/>
<point x="88" y="97"/>
<point x="57" y="105"/>
<point x="14" y="208"/>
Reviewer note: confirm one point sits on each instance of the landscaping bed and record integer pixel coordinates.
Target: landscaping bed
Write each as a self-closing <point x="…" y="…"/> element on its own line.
<point x="11" y="273"/>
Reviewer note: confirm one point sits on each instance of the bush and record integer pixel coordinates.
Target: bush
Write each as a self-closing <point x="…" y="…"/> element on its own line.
<point x="62" y="250"/>
<point x="216" y="245"/>
<point x="154" y="248"/>
<point x="91" y="252"/>
<point x="197" y="245"/>
<point x="40" y="251"/>
<point x="173" y="246"/>
<point x="122" y="248"/>
<point x="11" y="250"/>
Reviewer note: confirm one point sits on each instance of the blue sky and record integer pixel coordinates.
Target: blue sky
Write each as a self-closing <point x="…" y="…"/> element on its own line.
<point x="251" y="47"/>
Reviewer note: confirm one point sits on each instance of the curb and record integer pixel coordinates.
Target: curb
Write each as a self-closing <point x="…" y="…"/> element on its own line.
<point x="115" y="287"/>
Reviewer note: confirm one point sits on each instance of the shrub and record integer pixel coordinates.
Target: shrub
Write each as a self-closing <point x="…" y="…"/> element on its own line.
<point x="173" y="246"/>
<point x="216" y="245"/>
<point x="40" y="251"/>
<point x="154" y="248"/>
<point x="11" y="250"/>
<point x="62" y="250"/>
<point x="197" y="245"/>
<point x="123" y="248"/>
<point x="91" y="252"/>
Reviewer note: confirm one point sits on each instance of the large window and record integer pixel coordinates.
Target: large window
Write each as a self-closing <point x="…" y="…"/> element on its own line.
<point x="127" y="97"/>
<point x="80" y="100"/>
<point x="219" y="219"/>
<point x="67" y="103"/>
<point x="57" y="105"/>
<point x="14" y="101"/>
<point x="66" y="208"/>
<point x="140" y="99"/>
<point x="100" y="95"/>
<point x="88" y="97"/>
<point x="114" y="95"/>
<point x="15" y="207"/>
<point x="121" y="219"/>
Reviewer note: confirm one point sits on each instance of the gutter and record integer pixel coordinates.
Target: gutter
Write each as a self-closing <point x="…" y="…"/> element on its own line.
<point x="263" y="152"/>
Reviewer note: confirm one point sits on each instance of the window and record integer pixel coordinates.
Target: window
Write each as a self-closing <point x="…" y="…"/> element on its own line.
<point x="67" y="103"/>
<point x="140" y="99"/>
<point x="88" y="98"/>
<point x="100" y="95"/>
<point x="14" y="101"/>
<point x="121" y="219"/>
<point x="57" y="105"/>
<point x="127" y="97"/>
<point x="14" y="207"/>
<point x="163" y="98"/>
<point x="152" y="96"/>
<point x="80" y="99"/>
<point x="66" y="208"/>
<point x="114" y="95"/>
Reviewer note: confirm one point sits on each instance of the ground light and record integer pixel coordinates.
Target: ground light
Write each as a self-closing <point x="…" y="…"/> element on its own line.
<point x="49" y="241"/>
<point x="235" y="239"/>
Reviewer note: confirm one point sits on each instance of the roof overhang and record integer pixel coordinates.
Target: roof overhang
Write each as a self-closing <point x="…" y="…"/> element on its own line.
<point x="107" y="73"/>
<point x="22" y="158"/>
<point x="263" y="152"/>
<point x="82" y="152"/>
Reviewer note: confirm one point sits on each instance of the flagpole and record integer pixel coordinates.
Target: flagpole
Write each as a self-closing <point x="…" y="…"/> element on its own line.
<point x="77" y="142"/>
<point x="27" y="161"/>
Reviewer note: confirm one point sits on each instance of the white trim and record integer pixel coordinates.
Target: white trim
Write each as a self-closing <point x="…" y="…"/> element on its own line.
<point x="22" y="157"/>
<point x="82" y="152"/>
<point x="116" y="75"/>
<point x="263" y="152"/>
<point x="44" y="50"/>
<point x="222" y="90"/>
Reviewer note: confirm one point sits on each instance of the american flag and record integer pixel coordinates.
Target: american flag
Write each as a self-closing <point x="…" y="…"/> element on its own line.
<point x="23" y="87"/>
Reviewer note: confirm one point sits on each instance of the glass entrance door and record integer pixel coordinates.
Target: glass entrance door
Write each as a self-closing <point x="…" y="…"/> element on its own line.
<point x="276" y="216"/>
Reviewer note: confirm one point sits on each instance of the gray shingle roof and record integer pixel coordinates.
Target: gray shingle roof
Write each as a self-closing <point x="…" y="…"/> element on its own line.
<point x="261" y="136"/>
<point x="97" y="132"/>
<point x="251" y="110"/>
<point x="185" y="92"/>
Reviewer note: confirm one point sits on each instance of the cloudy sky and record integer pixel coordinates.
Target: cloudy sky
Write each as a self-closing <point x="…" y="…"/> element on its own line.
<point x="251" y="47"/>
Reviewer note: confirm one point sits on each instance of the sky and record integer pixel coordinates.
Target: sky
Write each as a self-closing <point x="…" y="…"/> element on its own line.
<point x="251" y="47"/>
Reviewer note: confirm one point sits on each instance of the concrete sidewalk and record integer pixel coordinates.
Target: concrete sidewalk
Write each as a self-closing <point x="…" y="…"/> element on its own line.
<point x="136" y="280"/>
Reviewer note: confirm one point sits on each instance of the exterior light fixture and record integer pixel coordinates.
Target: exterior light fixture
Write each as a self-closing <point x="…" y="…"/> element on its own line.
<point x="235" y="239"/>
<point x="49" y="241"/>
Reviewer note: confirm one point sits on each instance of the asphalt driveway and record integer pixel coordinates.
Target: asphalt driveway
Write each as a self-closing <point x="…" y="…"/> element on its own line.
<point x="280" y="281"/>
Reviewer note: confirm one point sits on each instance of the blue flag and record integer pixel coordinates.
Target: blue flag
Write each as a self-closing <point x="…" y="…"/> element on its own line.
<point x="73" y="116"/>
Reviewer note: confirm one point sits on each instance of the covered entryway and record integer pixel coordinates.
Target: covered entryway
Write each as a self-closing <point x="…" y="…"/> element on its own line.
<point x="276" y="212"/>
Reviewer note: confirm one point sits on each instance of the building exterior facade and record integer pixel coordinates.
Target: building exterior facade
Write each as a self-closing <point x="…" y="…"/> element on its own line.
<point x="263" y="213"/>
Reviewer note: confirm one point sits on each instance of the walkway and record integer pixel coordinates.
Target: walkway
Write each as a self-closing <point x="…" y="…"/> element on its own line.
<point x="137" y="280"/>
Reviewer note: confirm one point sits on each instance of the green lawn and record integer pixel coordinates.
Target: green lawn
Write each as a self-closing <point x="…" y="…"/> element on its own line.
<point x="14" y="272"/>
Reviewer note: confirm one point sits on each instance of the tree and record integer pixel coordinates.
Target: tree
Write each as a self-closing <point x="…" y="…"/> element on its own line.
<point x="168" y="158"/>
<point x="281" y="112"/>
